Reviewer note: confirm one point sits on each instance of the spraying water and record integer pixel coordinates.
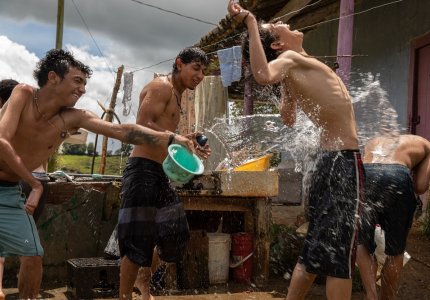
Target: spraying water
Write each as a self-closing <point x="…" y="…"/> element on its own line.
<point x="247" y="137"/>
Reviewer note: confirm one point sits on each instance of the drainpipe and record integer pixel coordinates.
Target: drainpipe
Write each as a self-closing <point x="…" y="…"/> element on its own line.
<point x="344" y="39"/>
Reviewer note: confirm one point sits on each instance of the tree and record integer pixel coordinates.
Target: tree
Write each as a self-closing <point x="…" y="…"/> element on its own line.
<point x="90" y="148"/>
<point x="124" y="150"/>
<point x="74" y="149"/>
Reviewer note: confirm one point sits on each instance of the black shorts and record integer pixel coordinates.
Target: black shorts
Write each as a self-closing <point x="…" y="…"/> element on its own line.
<point x="151" y="215"/>
<point x="335" y="196"/>
<point x="391" y="203"/>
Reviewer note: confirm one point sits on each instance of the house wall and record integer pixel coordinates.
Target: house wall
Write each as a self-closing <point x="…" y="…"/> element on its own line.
<point x="384" y="35"/>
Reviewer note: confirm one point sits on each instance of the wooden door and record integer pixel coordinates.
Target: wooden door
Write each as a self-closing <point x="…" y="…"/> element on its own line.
<point x="419" y="117"/>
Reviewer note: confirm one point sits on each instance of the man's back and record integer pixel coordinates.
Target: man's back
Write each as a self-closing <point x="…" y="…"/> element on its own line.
<point x="409" y="150"/>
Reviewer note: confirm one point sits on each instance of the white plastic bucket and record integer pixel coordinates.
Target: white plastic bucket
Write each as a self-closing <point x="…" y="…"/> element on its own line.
<point x="219" y="257"/>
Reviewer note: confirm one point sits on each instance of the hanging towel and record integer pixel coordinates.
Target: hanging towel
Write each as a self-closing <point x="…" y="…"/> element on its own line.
<point x="230" y="61"/>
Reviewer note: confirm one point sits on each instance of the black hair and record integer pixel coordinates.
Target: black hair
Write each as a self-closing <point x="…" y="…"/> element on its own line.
<point x="59" y="61"/>
<point x="267" y="37"/>
<point x="6" y="88"/>
<point x="191" y="54"/>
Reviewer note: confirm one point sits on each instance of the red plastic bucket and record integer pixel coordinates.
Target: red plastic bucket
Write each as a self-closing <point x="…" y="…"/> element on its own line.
<point x="241" y="248"/>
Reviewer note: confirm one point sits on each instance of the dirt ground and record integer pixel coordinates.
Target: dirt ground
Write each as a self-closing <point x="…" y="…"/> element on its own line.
<point x="415" y="282"/>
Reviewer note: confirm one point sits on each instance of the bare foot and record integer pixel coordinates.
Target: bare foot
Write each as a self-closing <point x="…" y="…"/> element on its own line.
<point x="2" y="295"/>
<point x="147" y="297"/>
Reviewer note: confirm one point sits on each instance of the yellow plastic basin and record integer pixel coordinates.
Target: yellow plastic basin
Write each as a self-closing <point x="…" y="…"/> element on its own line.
<point x="258" y="164"/>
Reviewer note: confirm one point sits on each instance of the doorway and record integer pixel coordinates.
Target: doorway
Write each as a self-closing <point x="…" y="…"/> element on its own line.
<point x="419" y="87"/>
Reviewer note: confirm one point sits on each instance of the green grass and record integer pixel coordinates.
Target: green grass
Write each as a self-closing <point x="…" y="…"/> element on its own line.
<point x="82" y="164"/>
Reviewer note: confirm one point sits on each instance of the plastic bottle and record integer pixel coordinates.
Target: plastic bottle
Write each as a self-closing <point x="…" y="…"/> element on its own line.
<point x="201" y="140"/>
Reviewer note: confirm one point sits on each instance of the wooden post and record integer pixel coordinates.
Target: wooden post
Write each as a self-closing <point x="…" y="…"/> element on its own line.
<point x="60" y="22"/>
<point x="109" y="118"/>
<point x="344" y="39"/>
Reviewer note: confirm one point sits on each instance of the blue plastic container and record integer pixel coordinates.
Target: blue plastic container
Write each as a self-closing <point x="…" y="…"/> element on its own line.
<point x="181" y="165"/>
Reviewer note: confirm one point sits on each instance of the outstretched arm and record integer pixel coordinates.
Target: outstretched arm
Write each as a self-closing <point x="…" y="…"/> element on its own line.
<point x="263" y="72"/>
<point x="130" y="133"/>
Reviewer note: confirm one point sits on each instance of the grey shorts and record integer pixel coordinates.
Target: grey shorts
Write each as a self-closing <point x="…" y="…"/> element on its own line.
<point x="18" y="232"/>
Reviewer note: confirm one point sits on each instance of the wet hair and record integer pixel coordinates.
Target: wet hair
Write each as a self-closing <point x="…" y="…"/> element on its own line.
<point x="191" y="54"/>
<point x="59" y="61"/>
<point x="6" y="88"/>
<point x="267" y="37"/>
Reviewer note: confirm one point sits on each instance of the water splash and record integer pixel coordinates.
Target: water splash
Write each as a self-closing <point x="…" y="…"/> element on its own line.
<point x="248" y="137"/>
<point x="374" y="113"/>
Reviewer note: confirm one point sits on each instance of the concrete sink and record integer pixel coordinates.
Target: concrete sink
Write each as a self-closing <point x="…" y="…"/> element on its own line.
<point x="234" y="184"/>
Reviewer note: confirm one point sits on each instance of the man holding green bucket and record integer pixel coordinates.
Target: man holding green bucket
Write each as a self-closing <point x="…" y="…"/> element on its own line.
<point x="151" y="214"/>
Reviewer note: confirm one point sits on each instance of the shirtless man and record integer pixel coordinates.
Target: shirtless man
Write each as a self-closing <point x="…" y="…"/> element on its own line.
<point x="397" y="169"/>
<point x="33" y="123"/>
<point x="149" y="204"/>
<point x="6" y="88"/>
<point x="329" y="248"/>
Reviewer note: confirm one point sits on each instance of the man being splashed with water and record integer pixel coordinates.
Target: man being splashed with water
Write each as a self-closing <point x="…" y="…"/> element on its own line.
<point x="277" y="56"/>
<point x="397" y="168"/>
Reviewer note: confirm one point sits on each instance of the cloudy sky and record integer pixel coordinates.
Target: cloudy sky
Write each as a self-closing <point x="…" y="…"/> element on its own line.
<point x="104" y="34"/>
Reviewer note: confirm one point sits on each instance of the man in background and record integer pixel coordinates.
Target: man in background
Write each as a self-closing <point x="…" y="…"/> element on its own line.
<point x="397" y="169"/>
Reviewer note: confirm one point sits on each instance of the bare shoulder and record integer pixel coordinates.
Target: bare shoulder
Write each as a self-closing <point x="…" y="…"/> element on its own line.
<point x="157" y="83"/>
<point x="290" y="56"/>
<point x="22" y="90"/>
<point x="302" y="61"/>
<point x="416" y="140"/>
<point x="159" y="88"/>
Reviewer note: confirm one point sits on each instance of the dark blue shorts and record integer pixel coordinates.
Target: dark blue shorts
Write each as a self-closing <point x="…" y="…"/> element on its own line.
<point x="390" y="202"/>
<point x="151" y="215"/>
<point x="335" y="198"/>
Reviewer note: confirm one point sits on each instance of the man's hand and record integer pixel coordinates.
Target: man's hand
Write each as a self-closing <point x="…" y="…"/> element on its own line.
<point x="236" y="12"/>
<point x="184" y="141"/>
<point x="33" y="197"/>
<point x="202" y="151"/>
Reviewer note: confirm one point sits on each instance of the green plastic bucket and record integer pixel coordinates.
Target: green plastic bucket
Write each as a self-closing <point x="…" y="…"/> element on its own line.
<point x="181" y="165"/>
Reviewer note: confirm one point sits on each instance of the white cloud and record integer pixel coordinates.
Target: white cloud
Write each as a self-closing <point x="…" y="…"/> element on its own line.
<point x="126" y="32"/>
<point x="16" y="61"/>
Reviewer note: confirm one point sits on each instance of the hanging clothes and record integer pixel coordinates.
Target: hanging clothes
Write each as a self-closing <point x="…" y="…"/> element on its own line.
<point x="230" y="61"/>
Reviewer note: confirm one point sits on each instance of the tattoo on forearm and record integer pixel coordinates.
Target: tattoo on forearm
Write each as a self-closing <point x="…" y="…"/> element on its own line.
<point x="139" y="137"/>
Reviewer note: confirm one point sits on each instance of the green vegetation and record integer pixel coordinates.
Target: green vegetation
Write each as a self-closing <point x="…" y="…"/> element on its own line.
<point x="82" y="164"/>
<point x="284" y="249"/>
<point x="426" y="223"/>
